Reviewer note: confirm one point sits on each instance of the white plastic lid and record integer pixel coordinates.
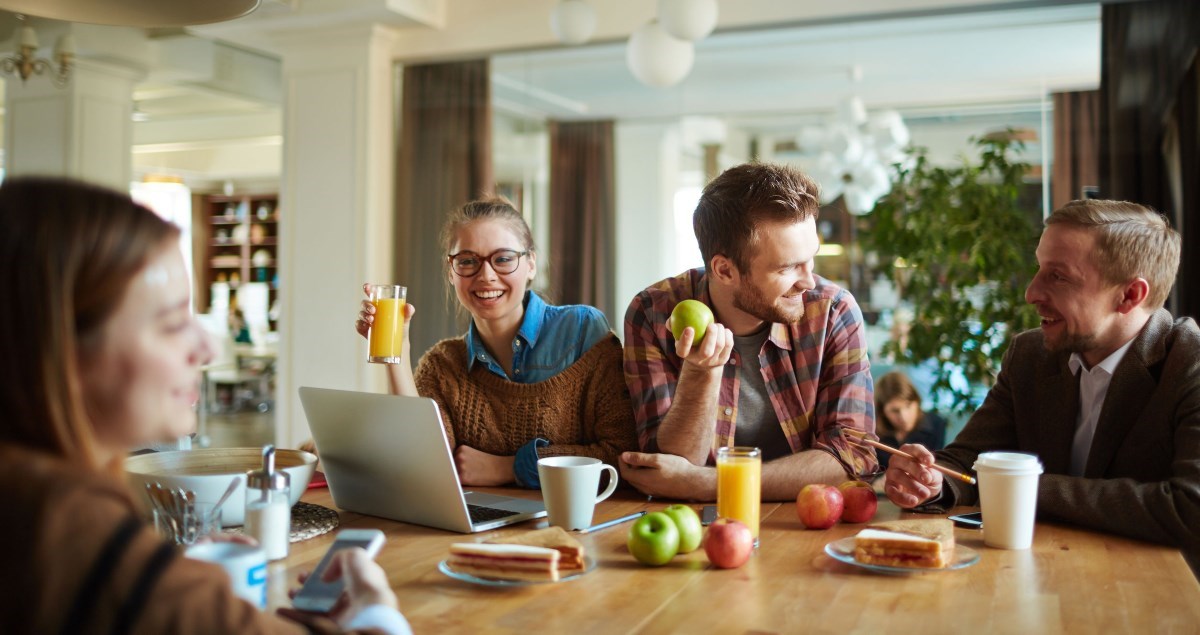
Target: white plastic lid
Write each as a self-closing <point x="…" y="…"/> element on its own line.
<point x="1008" y="463"/>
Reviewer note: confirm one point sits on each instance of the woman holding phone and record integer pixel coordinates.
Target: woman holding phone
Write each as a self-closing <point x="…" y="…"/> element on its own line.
<point x="101" y="353"/>
<point x="528" y="379"/>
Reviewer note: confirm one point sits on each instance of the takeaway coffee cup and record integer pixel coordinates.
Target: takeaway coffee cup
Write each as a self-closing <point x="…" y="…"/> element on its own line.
<point x="1008" y="489"/>
<point x="246" y="566"/>
<point x="569" y="485"/>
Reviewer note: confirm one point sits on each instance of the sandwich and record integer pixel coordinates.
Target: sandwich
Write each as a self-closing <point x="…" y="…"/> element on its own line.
<point x="504" y="562"/>
<point x="570" y="550"/>
<point x="926" y="543"/>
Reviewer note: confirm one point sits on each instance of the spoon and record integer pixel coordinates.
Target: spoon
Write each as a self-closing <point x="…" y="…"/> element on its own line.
<point x="228" y="490"/>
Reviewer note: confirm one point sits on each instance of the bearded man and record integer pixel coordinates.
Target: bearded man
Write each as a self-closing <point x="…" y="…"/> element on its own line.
<point x="783" y="368"/>
<point x="1106" y="392"/>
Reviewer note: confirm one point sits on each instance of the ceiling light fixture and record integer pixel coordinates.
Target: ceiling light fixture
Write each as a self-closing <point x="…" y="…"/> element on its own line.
<point x="26" y="62"/>
<point x="689" y="20"/>
<point x="855" y="154"/>
<point x="656" y="58"/>
<point x="573" y="21"/>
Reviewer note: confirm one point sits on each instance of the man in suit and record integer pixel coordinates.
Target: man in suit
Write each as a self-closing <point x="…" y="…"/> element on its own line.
<point x="1106" y="392"/>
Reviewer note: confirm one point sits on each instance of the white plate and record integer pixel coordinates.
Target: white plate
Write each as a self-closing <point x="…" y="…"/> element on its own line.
<point x="589" y="563"/>
<point x="843" y="550"/>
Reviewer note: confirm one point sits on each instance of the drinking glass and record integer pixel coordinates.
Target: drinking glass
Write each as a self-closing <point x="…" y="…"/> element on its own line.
<point x="739" y="485"/>
<point x="186" y="525"/>
<point x="386" y="336"/>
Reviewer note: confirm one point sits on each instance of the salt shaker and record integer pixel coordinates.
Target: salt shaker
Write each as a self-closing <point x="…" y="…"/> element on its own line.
<point x="269" y="507"/>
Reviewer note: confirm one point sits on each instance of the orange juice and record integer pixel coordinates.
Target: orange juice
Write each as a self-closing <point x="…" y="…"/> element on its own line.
<point x="386" y="338"/>
<point x="739" y="485"/>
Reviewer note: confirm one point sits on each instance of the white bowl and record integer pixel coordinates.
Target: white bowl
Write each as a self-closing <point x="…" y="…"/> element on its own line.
<point x="207" y="472"/>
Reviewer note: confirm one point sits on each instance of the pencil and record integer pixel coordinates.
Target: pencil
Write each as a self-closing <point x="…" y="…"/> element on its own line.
<point x="861" y="440"/>
<point x="610" y="523"/>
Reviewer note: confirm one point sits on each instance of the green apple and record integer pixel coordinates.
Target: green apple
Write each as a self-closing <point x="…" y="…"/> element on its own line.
<point x="653" y="539"/>
<point x="687" y="521"/>
<point x="691" y="313"/>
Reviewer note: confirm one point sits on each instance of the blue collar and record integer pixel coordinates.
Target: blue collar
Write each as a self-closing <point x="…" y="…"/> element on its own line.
<point x="531" y="327"/>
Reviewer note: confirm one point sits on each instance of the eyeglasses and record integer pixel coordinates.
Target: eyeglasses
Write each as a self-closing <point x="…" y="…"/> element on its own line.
<point x="468" y="263"/>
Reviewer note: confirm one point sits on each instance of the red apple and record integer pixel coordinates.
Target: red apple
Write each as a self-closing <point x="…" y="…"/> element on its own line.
<point x="860" y="501"/>
<point x="728" y="543"/>
<point x="819" y="506"/>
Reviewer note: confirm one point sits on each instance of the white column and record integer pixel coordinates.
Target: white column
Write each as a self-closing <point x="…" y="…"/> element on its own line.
<point x="82" y="130"/>
<point x="337" y="209"/>
<point x="648" y="164"/>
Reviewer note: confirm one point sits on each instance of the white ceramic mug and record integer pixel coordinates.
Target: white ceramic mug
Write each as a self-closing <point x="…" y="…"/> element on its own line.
<point x="246" y="566"/>
<point x="569" y="486"/>
<point x="1008" y="491"/>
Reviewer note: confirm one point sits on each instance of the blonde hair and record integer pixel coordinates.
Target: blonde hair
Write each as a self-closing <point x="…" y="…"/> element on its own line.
<point x="491" y="208"/>
<point x="1132" y="241"/>
<point x="68" y="252"/>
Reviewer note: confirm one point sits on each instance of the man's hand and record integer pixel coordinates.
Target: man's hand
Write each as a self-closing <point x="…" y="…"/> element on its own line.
<point x="668" y="476"/>
<point x="482" y="469"/>
<point x="910" y="483"/>
<point x="714" y="350"/>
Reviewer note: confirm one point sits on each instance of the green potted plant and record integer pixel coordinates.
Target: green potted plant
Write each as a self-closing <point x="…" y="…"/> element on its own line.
<point x="960" y="246"/>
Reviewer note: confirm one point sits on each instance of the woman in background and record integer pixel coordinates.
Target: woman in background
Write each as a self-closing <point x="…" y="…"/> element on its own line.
<point x="528" y="379"/>
<point x="101" y="353"/>
<point x="899" y="418"/>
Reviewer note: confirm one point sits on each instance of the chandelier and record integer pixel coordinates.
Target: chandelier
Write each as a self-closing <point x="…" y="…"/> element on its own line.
<point x="25" y="62"/>
<point x="856" y="154"/>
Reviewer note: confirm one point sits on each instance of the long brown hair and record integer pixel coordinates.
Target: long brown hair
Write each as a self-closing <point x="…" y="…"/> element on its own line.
<point x="68" y="252"/>
<point x="895" y="385"/>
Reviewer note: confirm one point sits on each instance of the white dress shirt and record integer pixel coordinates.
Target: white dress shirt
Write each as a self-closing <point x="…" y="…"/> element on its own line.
<point x="1093" y="386"/>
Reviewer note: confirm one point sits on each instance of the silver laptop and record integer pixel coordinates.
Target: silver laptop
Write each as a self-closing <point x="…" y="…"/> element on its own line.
<point x="387" y="455"/>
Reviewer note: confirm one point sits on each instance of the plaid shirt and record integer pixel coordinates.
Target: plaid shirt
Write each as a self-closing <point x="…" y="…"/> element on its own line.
<point x="816" y="371"/>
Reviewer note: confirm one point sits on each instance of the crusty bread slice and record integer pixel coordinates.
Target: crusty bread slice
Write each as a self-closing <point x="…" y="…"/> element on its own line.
<point x="920" y="542"/>
<point x="571" y="551"/>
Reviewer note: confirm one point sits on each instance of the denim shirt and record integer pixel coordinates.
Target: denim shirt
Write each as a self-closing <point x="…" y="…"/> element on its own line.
<point x="550" y="339"/>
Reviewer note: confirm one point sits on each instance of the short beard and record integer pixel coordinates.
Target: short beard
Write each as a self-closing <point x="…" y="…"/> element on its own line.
<point x="1071" y="344"/>
<point x="750" y="299"/>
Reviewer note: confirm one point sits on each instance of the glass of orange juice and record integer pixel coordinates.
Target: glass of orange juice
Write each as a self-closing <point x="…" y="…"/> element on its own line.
<point x="386" y="336"/>
<point x="739" y="485"/>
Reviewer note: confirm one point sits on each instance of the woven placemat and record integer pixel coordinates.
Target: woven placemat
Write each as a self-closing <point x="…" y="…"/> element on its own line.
<point x="308" y="521"/>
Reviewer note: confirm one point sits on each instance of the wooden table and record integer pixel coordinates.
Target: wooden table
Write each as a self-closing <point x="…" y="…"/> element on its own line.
<point x="1071" y="581"/>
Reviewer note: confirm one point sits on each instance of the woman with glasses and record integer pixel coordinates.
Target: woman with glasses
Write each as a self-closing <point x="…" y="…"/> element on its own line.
<point x="528" y="379"/>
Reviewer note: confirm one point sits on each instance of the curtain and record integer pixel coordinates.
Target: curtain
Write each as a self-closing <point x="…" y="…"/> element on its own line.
<point x="582" y="216"/>
<point x="1147" y="78"/>
<point x="444" y="160"/>
<point x="1076" y="145"/>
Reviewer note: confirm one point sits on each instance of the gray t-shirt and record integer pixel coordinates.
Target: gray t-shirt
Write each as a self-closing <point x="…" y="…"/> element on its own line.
<point x="756" y="426"/>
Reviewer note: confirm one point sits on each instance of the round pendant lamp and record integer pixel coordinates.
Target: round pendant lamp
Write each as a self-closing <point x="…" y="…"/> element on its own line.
<point x="656" y="58"/>
<point x="573" y="21"/>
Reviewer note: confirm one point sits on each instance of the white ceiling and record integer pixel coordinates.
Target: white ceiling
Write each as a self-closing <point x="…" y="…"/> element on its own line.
<point x="768" y="78"/>
<point x="992" y="65"/>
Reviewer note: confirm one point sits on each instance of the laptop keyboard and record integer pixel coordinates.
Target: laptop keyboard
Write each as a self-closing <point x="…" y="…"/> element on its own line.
<point x="480" y="514"/>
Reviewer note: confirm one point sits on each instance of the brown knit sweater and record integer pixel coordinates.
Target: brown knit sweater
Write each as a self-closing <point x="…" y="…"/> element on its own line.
<point x="582" y="411"/>
<point x="77" y="558"/>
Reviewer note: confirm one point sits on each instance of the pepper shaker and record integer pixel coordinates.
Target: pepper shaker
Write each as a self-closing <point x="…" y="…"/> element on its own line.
<point x="269" y="507"/>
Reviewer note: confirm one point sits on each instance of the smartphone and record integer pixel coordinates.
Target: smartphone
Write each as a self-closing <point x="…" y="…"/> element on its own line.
<point x="708" y="514"/>
<point x="320" y="597"/>
<point x="974" y="520"/>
